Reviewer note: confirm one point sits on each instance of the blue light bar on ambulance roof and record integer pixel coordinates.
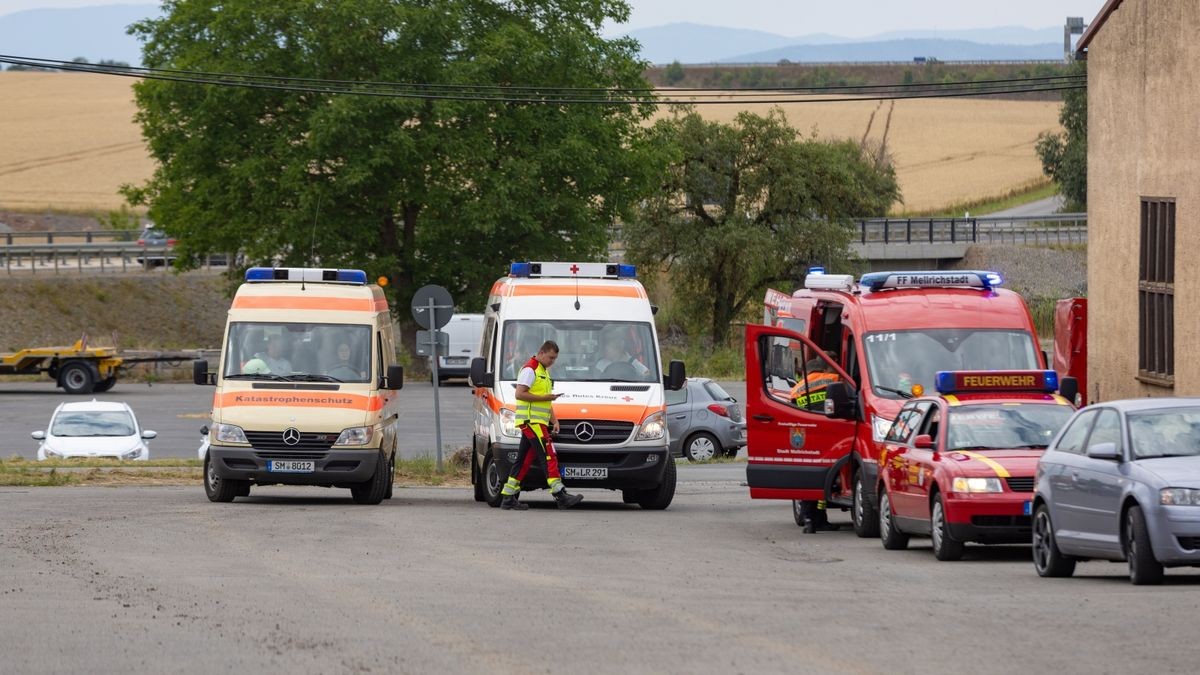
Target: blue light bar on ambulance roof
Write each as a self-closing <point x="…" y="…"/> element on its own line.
<point x="308" y="275"/>
<point x="878" y="281"/>
<point x="568" y="270"/>
<point x="984" y="381"/>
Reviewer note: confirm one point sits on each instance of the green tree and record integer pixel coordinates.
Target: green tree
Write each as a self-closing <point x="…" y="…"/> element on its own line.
<point x="424" y="190"/>
<point x="1064" y="154"/>
<point x="675" y="74"/>
<point x="749" y="203"/>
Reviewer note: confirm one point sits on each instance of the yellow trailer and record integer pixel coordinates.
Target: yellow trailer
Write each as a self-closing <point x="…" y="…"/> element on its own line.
<point x="78" y="369"/>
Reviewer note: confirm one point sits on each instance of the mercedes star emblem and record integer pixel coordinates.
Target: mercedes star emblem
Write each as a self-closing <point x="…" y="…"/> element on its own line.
<point x="291" y="436"/>
<point x="584" y="431"/>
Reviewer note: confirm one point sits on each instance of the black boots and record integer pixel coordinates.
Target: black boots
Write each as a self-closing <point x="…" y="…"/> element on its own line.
<point x="510" y="502"/>
<point x="566" y="500"/>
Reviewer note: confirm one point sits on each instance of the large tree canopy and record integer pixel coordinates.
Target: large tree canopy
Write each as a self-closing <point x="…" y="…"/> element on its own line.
<point x="746" y="204"/>
<point x="424" y="190"/>
<point x="1064" y="155"/>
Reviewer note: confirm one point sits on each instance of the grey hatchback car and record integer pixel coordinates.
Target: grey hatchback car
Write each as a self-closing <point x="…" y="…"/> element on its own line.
<point x="704" y="421"/>
<point x="1121" y="481"/>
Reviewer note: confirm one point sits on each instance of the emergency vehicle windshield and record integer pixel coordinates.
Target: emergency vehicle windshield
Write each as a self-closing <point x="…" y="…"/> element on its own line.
<point x="317" y="352"/>
<point x="896" y="360"/>
<point x="1174" y="433"/>
<point x="589" y="351"/>
<point x="999" y="427"/>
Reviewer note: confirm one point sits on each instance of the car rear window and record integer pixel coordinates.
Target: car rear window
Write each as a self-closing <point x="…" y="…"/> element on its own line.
<point x="714" y="390"/>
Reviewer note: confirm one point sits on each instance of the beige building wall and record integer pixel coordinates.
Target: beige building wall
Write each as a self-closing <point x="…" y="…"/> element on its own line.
<point x="1143" y="141"/>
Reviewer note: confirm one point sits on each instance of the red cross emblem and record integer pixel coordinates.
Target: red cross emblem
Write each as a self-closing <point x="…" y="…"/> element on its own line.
<point x="574" y="269"/>
<point x="627" y="399"/>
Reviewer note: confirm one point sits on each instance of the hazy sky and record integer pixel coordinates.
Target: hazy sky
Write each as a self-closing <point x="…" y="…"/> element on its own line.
<point x="851" y="18"/>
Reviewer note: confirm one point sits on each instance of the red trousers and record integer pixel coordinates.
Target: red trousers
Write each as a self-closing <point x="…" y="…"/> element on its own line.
<point x="535" y="447"/>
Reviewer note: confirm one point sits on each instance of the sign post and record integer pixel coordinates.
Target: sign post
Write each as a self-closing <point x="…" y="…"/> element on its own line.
<point x="432" y="308"/>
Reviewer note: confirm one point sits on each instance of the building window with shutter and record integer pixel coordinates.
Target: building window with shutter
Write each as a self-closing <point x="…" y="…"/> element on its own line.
<point x="1156" y="293"/>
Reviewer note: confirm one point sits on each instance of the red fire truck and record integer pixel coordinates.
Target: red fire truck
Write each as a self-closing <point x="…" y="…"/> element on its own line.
<point x="820" y="399"/>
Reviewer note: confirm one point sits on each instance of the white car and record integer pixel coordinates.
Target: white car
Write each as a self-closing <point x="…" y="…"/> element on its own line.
<point x="93" y="429"/>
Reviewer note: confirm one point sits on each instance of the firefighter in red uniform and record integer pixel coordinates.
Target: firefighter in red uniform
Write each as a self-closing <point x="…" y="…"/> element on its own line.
<point x="809" y="394"/>
<point x="535" y="419"/>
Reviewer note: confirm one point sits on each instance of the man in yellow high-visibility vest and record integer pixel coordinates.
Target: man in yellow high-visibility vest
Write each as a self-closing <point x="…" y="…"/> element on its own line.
<point x="810" y="394"/>
<point x="536" y="420"/>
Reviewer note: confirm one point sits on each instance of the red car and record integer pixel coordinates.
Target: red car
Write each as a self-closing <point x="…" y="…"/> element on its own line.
<point x="959" y="466"/>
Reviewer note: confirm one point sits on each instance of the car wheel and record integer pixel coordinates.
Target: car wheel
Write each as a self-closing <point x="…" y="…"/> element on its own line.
<point x="372" y="491"/>
<point x="798" y="512"/>
<point x="866" y="521"/>
<point x="78" y="377"/>
<point x="659" y="498"/>
<point x="701" y="447"/>
<point x="491" y="482"/>
<point x="893" y="539"/>
<point x="1047" y="559"/>
<point x="945" y="547"/>
<point x="1144" y="570"/>
<point x="217" y="488"/>
<point x="391" y="477"/>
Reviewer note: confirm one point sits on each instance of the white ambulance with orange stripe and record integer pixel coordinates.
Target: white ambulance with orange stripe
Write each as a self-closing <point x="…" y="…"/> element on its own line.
<point x="612" y="409"/>
<point x="306" y="387"/>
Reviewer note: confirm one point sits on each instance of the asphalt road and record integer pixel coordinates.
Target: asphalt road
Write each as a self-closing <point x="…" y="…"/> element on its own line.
<point x="135" y="580"/>
<point x="1040" y="207"/>
<point x="177" y="411"/>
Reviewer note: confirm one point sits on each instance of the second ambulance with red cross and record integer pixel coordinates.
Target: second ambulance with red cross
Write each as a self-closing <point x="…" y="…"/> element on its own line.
<point x="959" y="466"/>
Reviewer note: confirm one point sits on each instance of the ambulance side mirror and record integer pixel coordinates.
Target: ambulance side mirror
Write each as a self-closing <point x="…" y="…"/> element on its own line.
<point x="923" y="442"/>
<point x="200" y="374"/>
<point x="1068" y="388"/>
<point x="394" y="379"/>
<point x="676" y="376"/>
<point x="840" y="402"/>
<point x="479" y="376"/>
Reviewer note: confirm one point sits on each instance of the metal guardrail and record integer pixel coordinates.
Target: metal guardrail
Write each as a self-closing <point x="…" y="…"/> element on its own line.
<point x="88" y="236"/>
<point x="85" y="257"/>
<point x="1067" y="228"/>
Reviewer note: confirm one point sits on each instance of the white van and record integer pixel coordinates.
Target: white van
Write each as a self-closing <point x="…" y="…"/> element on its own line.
<point x="306" y="388"/>
<point x="612" y="413"/>
<point x="464" y="333"/>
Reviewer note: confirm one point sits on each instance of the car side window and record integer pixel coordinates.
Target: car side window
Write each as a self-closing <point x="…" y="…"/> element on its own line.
<point x="906" y="423"/>
<point x="677" y="397"/>
<point x="1106" y="430"/>
<point x="932" y="423"/>
<point x="1073" y="438"/>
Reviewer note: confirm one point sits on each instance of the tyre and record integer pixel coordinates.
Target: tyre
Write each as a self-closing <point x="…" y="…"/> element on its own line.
<point x="391" y="477"/>
<point x="893" y="539"/>
<point x="105" y="384"/>
<point x="659" y="498"/>
<point x="701" y="447"/>
<point x="862" y="514"/>
<point x="492" y="482"/>
<point x="945" y="547"/>
<point x="798" y="512"/>
<point x="1144" y="570"/>
<point x="372" y="491"/>
<point x="78" y="377"/>
<point x="1047" y="559"/>
<point x="217" y="488"/>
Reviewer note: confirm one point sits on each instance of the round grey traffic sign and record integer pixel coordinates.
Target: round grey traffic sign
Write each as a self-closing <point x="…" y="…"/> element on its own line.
<point x="443" y="307"/>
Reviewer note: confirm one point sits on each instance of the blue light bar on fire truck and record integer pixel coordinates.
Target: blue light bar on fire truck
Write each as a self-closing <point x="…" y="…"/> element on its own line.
<point x="569" y="270"/>
<point x="306" y="274"/>
<point x="983" y="381"/>
<point x="878" y="281"/>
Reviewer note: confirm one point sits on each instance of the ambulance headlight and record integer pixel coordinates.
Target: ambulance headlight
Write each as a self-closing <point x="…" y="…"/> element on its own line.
<point x="967" y="485"/>
<point x="228" y="433"/>
<point x="879" y="427"/>
<point x="654" y="428"/>
<point x="508" y="423"/>
<point x="354" y="436"/>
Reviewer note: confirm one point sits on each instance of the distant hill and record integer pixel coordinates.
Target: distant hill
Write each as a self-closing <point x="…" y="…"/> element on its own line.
<point x="95" y="33"/>
<point x="902" y="50"/>
<point x="696" y="43"/>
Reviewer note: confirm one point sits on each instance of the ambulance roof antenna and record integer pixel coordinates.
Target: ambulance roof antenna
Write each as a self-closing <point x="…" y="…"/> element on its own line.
<point x="312" y="251"/>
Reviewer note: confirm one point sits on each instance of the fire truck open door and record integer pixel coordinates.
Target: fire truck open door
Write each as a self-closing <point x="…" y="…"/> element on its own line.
<point x="1070" y="343"/>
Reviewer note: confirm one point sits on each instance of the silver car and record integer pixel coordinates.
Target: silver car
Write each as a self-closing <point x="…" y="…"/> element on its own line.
<point x="704" y="421"/>
<point x="1121" y="481"/>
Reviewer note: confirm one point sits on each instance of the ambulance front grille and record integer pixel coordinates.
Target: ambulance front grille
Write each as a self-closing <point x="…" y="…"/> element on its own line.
<point x="607" y="432"/>
<point x="272" y="441"/>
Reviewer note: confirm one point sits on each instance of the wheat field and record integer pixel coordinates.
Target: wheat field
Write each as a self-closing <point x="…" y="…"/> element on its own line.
<point x="68" y="141"/>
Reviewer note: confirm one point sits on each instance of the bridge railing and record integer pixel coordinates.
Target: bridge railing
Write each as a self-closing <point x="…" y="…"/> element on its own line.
<point x="53" y="258"/>
<point x="69" y="237"/>
<point x="1067" y="228"/>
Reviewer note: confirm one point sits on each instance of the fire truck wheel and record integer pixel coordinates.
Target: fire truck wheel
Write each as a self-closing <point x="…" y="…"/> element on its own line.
<point x="491" y="482"/>
<point x="866" y="520"/>
<point x="893" y="539"/>
<point x="1047" y="559"/>
<point x="78" y="377"/>
<point x="945" y="547"/>
<point x="798" y="512"/>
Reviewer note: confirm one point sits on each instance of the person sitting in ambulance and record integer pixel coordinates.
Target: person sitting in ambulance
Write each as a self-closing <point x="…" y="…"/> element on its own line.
<point x="343" y="369"/>
<point x="617" y="361"/>
<point x="529" y="347"/>
<point x="273" y="357"/>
